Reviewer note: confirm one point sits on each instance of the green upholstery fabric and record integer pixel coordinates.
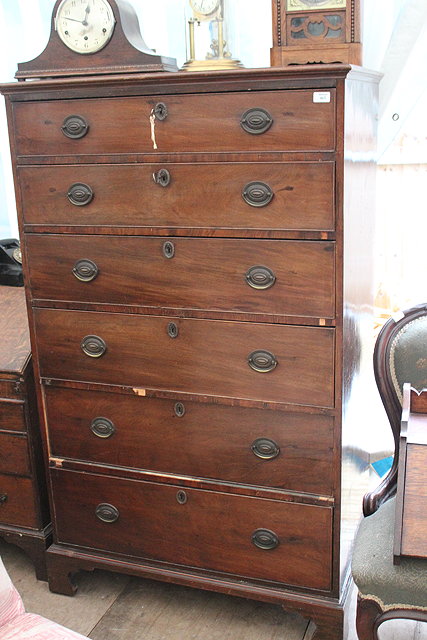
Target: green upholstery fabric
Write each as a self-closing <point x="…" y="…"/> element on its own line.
<point x="373" y="570"/>
<point x="408" y="356"/>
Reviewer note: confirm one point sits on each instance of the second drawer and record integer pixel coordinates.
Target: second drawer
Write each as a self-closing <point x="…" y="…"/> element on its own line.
<point x="249" y="276"/>
<point x="288" y="450"/>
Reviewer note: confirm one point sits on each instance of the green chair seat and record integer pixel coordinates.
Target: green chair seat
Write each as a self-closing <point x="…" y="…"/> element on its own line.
<point x="395" y="586"/>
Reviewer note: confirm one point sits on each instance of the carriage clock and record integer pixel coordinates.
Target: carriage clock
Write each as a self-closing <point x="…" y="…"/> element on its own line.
<point x="316" y="31"/>
<point x="90" y="37"/>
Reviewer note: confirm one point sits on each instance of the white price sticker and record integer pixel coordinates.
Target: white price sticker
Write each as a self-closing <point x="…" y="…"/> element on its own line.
<point x="321" y="96"/>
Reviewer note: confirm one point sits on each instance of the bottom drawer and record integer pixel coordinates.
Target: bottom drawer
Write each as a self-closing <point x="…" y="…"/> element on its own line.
<point x="17" y="505"/>
<point x="252" y="537"/>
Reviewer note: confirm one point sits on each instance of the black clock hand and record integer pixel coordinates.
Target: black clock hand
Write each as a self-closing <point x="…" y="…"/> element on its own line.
<point x="74" y="20"/>
<point x="87" y="11"/>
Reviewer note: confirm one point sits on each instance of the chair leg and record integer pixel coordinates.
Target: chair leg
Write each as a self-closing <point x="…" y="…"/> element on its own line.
<point x="367" y="615"/>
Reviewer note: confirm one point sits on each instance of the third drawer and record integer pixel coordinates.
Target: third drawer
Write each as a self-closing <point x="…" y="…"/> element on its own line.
<point x="247" y="276"/>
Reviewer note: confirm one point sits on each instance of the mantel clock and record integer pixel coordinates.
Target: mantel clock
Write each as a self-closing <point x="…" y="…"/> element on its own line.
<point x="87" y="36"/>
<point x="316" y="31"/>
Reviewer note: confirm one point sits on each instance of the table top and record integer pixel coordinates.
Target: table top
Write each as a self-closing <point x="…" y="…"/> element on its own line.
<point x="15" y="350"/>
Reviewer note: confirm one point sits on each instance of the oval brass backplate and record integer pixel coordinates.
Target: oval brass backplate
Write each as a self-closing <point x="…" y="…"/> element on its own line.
<point x="80" y="194"/>
<point x="259" y="277"/>
<point x="85" y="270"/>
<point x="75" y="127"/>
<point x="262" y="361"/>
<point x="257" y="194"/>
<point x="265" y="539"/>
<point x="256" y="121"/>
<point x="102" y="427"/>
<point x="93" y="346"/>
<point x="265" y="448"/>
<point x="107" y="512"/>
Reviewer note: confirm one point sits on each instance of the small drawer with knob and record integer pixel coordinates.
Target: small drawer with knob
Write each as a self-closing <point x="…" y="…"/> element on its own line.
<point x="213" y="357"/>
<point x="284" y="278"/>
<point x="283" y="449"/>
<point x="290" y="120"/>
<point x="18" y="500"/>
<point x="285" y="542"/>
<point x="243" y="196"/>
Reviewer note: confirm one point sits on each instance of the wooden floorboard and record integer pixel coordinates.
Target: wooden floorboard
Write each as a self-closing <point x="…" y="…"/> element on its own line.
<point x="150" y="610"/>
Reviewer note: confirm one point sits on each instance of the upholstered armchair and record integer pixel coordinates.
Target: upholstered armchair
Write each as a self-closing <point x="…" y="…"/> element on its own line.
<point x="16" y="624"/>
<point x="388" y="590"/>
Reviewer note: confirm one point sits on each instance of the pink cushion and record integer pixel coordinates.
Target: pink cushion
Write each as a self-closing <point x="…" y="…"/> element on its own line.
<point x="15" y="624"/>
<point x="33" y="627"/>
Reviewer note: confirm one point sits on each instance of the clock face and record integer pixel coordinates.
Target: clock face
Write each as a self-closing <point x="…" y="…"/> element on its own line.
<point x="84" y="26"/>
<point x="204" y="7"/>
<point x="301" y="5"/>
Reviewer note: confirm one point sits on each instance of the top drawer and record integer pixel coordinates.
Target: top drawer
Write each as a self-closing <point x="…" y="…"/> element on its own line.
<point x="289" y="120"/>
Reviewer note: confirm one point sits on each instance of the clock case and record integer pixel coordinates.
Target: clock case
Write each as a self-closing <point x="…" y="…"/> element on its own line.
<point x="125" y="45"/>
<point x="300" y="37"/>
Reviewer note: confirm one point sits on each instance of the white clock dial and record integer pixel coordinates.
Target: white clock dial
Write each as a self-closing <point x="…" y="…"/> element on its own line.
<point x="204" y="7"/>
<point x="84" y="26"/>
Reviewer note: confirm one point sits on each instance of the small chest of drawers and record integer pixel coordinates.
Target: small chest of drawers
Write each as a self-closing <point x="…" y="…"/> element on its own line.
<point x="197" y="309"/>
<point x="24" y="513"/>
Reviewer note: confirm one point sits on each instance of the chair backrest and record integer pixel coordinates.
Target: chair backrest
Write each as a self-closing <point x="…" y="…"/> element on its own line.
<point x="400" y="356"/>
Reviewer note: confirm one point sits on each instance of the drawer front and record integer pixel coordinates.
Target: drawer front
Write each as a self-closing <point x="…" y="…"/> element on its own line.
<point x="197" y="356"/>
<point x="193" y="123"/>
<point x="163" y="522"/>
<point x="248" y="446"/>
<point x="248" y="276"/>
<point x="12" y="416"/>
<point x="14" y="454"/>
<point x="17" y="502"/>
<point x="223" y="195"/>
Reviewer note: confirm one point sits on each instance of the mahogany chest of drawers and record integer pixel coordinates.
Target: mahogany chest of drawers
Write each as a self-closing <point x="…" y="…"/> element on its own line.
<point x="197" y="255"/>
<point x="24" y="512"/>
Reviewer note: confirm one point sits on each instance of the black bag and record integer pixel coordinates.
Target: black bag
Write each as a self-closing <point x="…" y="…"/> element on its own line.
<point x="11" y="263"/>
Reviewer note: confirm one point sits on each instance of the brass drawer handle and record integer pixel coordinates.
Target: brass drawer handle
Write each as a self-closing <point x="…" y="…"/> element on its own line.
<point x="162" y="177"/>
<point x="85" y="270"/>
<point x="256" y="121"/>
<point x="173" y="330"/>
<point x="181" y="497"/>
<point x="257" y="194"/>
<point x="160" y="111"/>
<point x="168" y="249"/>
<point x="179" y="409"/>
<point x="102" y="427"/>
<point x="3" y="498"/>
<point x="107" y="512"/>
<point x="74" y="127"/>
<point x="265" y="448"/>
<point x="265" y="539"/>
<point x="262" y="361"/>
<point x="259" y="277"/>
<point x="80" y="194"/>
<point x="93" y="346"/>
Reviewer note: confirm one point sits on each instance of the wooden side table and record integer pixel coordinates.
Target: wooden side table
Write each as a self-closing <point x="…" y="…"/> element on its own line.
<point x="410" y="538"/>
<point x="24" y="513"/>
